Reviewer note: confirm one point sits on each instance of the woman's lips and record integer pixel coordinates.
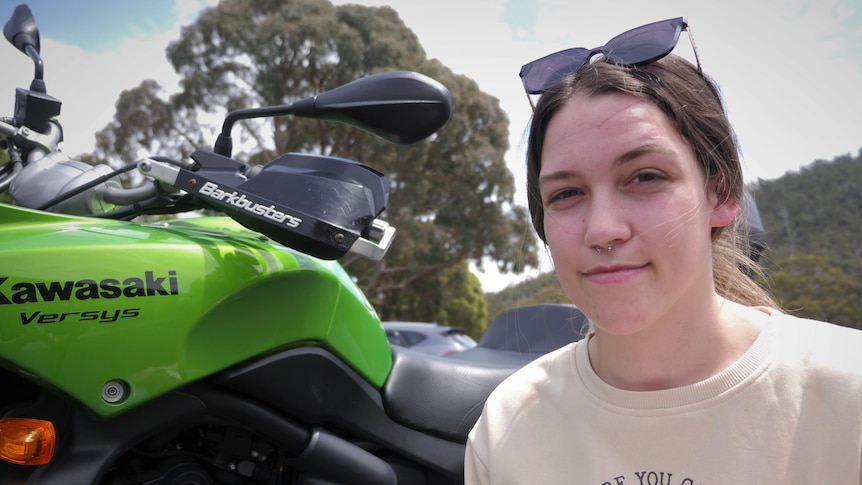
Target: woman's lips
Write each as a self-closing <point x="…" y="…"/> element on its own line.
<point x="618" y="273"/>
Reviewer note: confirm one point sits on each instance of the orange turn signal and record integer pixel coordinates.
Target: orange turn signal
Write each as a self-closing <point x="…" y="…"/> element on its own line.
<point x="25" y="441"/>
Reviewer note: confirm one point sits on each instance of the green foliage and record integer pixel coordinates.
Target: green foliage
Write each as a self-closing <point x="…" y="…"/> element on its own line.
<point x="454" y="298"/>
<point x="817" y="210"/>
<point x="451" y="197"/>
<point x="808" y="286"/>
<point x="463" y="302"/>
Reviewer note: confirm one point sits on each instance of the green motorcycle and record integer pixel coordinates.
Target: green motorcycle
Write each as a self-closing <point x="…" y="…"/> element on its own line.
<point x="231" y="349"/>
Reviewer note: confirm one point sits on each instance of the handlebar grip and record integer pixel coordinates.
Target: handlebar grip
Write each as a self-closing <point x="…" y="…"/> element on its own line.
<point x="121" y="196"/>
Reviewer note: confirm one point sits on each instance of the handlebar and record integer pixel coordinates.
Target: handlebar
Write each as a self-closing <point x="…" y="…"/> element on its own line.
<point x="49" y="180"/>
<point x="46" y="142"/>
<point x="122" y="196"/>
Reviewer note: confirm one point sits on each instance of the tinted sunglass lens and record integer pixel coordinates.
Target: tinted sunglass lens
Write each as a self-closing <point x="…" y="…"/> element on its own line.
<point x="542" y="73"/>
<point x="644" y="44"/>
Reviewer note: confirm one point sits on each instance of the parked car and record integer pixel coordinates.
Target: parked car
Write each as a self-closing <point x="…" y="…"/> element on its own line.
<point x="428" y="338"/>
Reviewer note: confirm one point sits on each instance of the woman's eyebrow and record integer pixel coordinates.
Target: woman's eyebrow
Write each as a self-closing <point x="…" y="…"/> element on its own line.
<point x="647" y="149"/>
<point x="555" y="176"/>
<point x="628" y="156"/>
<point x="651" y="148"/>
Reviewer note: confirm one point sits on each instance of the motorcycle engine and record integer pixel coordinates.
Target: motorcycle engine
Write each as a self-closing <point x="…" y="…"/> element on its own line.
<point x="187" y="474"/>
<point x="201" y="455"/>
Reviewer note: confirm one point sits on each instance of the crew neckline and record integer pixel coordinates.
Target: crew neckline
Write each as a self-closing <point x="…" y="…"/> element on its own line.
<point x="731" y="380"/>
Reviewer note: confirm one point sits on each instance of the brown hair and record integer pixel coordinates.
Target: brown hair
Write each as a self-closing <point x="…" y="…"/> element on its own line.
<point x="692" y="102"/>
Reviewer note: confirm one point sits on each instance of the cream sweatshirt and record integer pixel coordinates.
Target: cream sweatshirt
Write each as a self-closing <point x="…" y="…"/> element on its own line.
<point x="789" y="411"/>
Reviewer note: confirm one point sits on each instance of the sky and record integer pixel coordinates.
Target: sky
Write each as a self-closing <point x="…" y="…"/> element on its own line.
<point x="790" y="71"/>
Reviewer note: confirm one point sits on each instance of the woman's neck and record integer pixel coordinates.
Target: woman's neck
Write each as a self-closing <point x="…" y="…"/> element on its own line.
<point x="678" y="351"/>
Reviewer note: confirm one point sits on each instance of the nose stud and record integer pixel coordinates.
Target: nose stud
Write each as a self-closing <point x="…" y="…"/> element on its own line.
<point x="610" y="248"/>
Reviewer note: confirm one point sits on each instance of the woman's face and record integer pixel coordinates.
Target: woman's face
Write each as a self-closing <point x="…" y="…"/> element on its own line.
<point x="615" y="171"/>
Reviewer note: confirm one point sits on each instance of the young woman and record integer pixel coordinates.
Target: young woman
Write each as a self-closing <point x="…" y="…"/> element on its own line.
<point x="690" y="375"/>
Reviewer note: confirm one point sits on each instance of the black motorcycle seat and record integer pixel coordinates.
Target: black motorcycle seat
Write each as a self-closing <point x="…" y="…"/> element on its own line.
<point x="438" y="395"/>
<point x="445" y="395"/>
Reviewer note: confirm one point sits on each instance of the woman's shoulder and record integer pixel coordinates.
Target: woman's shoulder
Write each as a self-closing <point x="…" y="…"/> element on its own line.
<point x="816" y="330"/>
<point x="818" y="346"/>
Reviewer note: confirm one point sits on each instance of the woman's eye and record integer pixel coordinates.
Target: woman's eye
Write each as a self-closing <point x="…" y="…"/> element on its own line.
<point x="645" y="177"/>
<point x="562" y="195"/>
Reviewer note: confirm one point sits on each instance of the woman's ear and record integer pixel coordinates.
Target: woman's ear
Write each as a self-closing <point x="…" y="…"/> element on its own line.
<point x="724" y="206"/>
<point x="724" y="213"/>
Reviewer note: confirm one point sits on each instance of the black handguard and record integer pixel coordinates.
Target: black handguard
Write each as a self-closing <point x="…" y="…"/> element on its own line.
<point x="319" y="205"/>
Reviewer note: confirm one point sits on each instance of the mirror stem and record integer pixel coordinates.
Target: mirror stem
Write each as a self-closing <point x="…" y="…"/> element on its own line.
<point x="223" y="145"/>
<point x="38" y="84"/>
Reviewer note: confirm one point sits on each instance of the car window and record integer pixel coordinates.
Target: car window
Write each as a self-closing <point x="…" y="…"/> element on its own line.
<point x="394" y="338"/>
<point x="463" y="339"/>
<point x="412" y="338"/>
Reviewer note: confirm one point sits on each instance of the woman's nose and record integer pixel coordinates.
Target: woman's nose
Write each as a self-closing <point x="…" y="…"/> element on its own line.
<point x="605" y="222"/>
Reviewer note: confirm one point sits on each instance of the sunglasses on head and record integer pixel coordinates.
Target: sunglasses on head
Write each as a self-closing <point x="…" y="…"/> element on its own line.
<point x="636" y="47"/>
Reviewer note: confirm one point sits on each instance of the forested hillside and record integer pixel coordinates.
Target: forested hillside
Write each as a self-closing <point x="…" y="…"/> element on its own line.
<point x="813" y="220"/>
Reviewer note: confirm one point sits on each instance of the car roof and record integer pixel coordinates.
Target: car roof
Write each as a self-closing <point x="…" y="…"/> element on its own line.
<point x="416" y="326"/>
